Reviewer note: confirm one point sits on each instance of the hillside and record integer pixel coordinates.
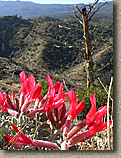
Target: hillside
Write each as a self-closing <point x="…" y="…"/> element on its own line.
<point x="31" y="10"/>
<point x="46" y="45"/>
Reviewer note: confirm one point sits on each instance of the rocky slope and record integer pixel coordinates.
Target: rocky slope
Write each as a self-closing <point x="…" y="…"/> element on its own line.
<point x="47" y="45"/>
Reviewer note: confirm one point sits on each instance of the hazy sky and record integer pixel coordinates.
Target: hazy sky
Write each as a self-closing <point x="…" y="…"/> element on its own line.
<point x="60" y="1"/>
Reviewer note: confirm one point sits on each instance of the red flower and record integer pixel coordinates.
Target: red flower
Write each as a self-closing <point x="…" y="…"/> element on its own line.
<point x="60" y="94"/>
<point x="29" y="92"/>
<point x="51" y="85"/>
<point x="24" y="140"/>
<point x="96" y="127"/>
<point x="23" y="79"/>
<point x="55" y="100"/>
<point x="90" y="117"/>
<point x="29" y="88"/>
<point x="74" y="108"/>
<point x="92" y="114"/>
<point x="3" y="104"/>
<point x="16" y="141"/>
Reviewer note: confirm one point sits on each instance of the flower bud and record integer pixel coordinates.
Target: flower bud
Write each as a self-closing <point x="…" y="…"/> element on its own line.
<point x="76" y="129"/>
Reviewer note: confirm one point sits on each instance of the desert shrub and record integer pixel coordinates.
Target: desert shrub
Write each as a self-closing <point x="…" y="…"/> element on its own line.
<point x="44" y="87"/>
<point x="101" y="97"/>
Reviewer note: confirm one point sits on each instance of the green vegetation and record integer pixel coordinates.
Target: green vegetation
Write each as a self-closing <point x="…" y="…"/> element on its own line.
<point x="101" y="98"/>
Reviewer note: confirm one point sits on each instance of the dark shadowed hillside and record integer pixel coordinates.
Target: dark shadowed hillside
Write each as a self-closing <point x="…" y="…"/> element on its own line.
<point x="46" y="45"/>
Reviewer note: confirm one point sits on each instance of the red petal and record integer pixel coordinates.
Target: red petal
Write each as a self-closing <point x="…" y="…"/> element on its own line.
<point x="52" y="92"/>
<point x="56" y="86"/>
<point x="15" y="128"/>
<point x="78" y="138"/>
<point x="46" y="144"/>
<point x="2" y="100"/>
<point x="31" y="84"/>
<point x="13" y="94"/>
<point x="80" y="107"/>
<point x="36" y="92"/>
<point x="102" y="111"/>
<point x="62" y="111"/>
<point x="23" y="88"/>
<point x="58" y="104"/>
<point x="50" y="82"/>
<point x="72" y="97"/>
<point x="67" y="126"/>
<point x="92" y="111"/>
<point x="76" y="129"/>
<point x="24" y="137"/>
<point x="32" y="114"/>
<point x="10" y="102"/>
<point x="19" y="141"/>
<point x="60" y="94"/>
<point x="23" y="76"/>
<point x="13" y="113"/>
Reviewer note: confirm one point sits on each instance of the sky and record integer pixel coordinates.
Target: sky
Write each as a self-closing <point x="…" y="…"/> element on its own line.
<point x="60" y="1"/>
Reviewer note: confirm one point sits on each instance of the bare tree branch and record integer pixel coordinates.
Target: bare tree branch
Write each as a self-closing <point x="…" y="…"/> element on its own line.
<point x="90" y="8"/>
<point x="78" y="9"/>
<point x="78" y="17"/>
<point x="96" y="10"/>
<point x="93" y="30"/>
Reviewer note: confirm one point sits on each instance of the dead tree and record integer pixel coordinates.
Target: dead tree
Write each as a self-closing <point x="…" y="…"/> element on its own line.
<point x="84" y="15"/>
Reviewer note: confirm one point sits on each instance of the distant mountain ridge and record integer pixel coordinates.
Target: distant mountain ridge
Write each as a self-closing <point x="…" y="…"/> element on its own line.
<point x="31" y="10"/>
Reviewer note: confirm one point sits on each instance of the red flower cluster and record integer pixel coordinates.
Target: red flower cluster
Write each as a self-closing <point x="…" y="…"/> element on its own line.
<point x="53" y="104"/>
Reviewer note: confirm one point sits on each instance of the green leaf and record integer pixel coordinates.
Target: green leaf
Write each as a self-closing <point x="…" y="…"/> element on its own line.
<point x="1" y="132"/>
<point x="44" y="133"/>
<point x="14" y="121"/>
<point x="32" y="136"/>
<point x="45" y="126"/>
<point x="44" y="118"/>
<point x="3" y="124"/>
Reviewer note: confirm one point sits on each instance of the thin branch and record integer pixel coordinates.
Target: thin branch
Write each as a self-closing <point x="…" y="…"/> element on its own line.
<point x="78" y="17"/>
<point x="65" y="85"/>
<point x="93" y="30"/>
<point x="105" y="88"/>
<point x="90" y="8"/>
<point x="108" y="125"/>
<point x="96" y="10"/>
<point x="112" y="126"/>
<point x="78" y="9"/>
